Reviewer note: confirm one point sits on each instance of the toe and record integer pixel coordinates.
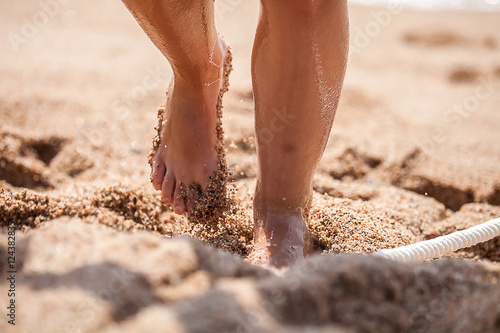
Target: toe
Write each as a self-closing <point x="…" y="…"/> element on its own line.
<point x="158" y="174"/>
<point x="178" y="200"/>
<point x="167" y="187"/>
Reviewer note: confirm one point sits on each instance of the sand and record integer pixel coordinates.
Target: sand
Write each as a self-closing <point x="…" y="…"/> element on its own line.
<point x="413" y="155"/>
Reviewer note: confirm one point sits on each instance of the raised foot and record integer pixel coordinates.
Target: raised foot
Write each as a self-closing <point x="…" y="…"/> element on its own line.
<point x="281" y="240"/>
<point x="187" y="155"/>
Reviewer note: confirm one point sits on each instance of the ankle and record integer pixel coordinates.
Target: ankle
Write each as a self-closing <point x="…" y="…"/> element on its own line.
<point x="203" y="74"/>
<point x="281" y="204"/>
<point x="265" y="216"/>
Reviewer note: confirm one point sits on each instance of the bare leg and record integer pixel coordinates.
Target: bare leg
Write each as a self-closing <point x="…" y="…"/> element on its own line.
<point x="299" y="61"/>
<point x="184" y="31"/>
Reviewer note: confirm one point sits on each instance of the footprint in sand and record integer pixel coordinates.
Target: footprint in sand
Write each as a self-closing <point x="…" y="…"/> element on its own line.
<point x="434" y="39"/>
<point x="450" y="195"/>
<point x="24" y="161"/>
<point x="352" y="164"/>
<point x="463" y="74"/>
<point x="35" y="163"/>
<point x="494" y="197"/>
<point x="447" y="38"/>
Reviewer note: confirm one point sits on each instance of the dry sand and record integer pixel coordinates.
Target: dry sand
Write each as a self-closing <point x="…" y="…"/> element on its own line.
<point x="414" y="154"/>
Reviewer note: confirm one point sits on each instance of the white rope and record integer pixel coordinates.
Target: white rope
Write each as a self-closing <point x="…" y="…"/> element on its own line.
<point x="440" y="246"/>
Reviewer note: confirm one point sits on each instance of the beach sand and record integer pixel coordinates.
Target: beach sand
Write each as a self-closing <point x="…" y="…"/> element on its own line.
<point x="414" y="154"/>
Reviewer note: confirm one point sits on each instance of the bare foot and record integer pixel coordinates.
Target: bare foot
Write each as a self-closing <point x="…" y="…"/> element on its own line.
<point x="186" y="146"/>
<point x="281" y="239"/>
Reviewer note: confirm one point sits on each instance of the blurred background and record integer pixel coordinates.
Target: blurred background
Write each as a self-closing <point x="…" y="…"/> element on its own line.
<point x="421" y="83"/>
<point x="481" y="5"/>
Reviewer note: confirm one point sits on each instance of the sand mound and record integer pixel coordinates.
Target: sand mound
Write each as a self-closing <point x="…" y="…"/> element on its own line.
<point x="119" y="282"/>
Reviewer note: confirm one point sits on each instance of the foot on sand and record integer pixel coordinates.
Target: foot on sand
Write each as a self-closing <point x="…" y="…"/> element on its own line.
<point x="187" y="159"/>
<point x="281" y="239"/>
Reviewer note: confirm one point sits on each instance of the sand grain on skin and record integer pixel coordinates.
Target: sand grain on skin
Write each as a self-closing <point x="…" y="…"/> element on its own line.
<point x="209" y="205"/>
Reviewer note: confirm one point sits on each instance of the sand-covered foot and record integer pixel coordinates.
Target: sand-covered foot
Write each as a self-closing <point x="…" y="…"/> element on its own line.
<point x="186" y="152"/>
<point x="281" y="240"/>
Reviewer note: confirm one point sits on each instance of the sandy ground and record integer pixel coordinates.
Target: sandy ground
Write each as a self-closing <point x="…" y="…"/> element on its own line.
<point x="414" y="154"/>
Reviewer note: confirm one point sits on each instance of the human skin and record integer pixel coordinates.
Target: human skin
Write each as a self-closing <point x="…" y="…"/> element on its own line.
<point x="298" y="66"/>
<point x="184" y="32"/>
